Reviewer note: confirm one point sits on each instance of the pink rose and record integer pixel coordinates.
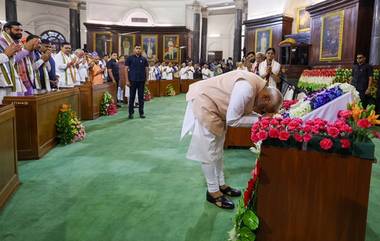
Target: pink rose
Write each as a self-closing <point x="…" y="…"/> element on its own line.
<point x="298" y="137"/>
<point x="345" y="114"/>
<point x="307" y="128"/>
<point x="285" y="121"/>
<point x="293" y="125"/>
<point x="273" y="133"/>
<point x="364" y="123"/>
<point x="345" y="143"/>
<point x="326" y="144"/>
<point x="264" y="123"/>
<point x="333" y="132"/>
<point x="263" y="135"/>
<point x="307" y="137"/>
<point x="255" y="127"/>
<point x="284" y="136"/>
<point x="254" y="137"/>
<point x="315" y="129"/>
<point x="274" y="122"/>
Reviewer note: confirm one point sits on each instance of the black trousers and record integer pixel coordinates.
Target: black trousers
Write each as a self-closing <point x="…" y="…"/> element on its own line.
<point x="138" y="86"/>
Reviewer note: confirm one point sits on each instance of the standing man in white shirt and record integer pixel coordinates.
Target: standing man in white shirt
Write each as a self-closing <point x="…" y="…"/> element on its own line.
<point x="65" y="67"/>
<point x="206" y="72"/>
<point x="81" y="65"/>
<point x="229" y="99"/>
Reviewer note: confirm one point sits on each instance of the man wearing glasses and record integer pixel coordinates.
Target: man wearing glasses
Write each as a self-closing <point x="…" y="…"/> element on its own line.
<point x="362" y="74"/>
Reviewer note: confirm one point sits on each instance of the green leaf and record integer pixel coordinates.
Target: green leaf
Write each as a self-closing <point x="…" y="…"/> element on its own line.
<point x="246" y="235"/>
<point x="251" y="220"/>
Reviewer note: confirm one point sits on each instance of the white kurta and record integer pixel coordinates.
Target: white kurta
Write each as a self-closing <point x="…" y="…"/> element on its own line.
<point x="67" y="76"/>
<point x="206" y="73"/>
<point x="169" y="73"/>
<point x="183" y="73"/>
<point x="276" y="67"/>
<point x="190" y="72"/>
<point x="82" y="72"/>
<point x="7" y="89"/>
<point x="205" y="146"/>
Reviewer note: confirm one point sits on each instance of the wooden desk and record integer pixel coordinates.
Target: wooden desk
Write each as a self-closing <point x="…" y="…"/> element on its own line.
<point x="36" y="117"/>
<point x="91" y="97"/>
<point x="184" y="84"/>
<point x="312" y="196"/>
<point x="8" y="153"/>
<point x="164" y="83"/>
<point x="238" y="137"/>
<point x="154" y="88"/>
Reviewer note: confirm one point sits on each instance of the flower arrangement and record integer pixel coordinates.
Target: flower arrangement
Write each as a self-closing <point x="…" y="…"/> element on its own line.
<point x="361" y="120"/>
<point x="147" y="94"/>
<point x="246" y="221"/>
<point x="343" y="75"/>
<point x="352" y="126"/>
<point x="108" y="106"/>
<point x="170" y="91"/>
<point x="316" y="79"/>
<point x="69" y="128"/>
<point x="325" y="97"/>
<point x="288" y="103"/>
<point x="320" y="98"/>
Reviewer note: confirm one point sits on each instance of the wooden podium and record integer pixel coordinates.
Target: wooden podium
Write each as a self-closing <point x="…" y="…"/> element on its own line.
<point x="36" y="117"/>
<point x="8" y="153"/>
<point x="238" y="137"/>
<point x="91" y="98"/>
<point x="185" y="83"/>
<point x="312" y="196"/>
<point x="154" y="88"/>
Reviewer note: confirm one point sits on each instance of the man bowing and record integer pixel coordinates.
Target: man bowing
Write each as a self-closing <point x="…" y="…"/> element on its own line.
<point x="236" y="98"/>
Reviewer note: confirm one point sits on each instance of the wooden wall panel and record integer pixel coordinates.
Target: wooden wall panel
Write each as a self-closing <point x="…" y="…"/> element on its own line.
<point x="356" y="33"/>
<point x="182" y="31"/>
<point x="281" y="26"/>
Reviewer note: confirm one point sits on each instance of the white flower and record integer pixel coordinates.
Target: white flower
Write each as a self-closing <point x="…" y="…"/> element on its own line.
<point x="300" y="109"/>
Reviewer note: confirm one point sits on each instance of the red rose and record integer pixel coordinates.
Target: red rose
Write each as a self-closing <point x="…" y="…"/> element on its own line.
<point x="274" y="122"/>
<point x="284" y="136"/>
<point x="254" y="137"/>
<point x="320" y="122"/>
<point x="273" y="133"/>
<point x="293" y="125"/>
<point x="333" y="132"/>
<point x="307" y="128"/>
<point x="315" y="129"/>
<point x="263" y="135"/>
<point x="309" y="123"/>
<point x="345" y="114"/>
<point x="298" y="137"/>
<point x="345" y="143"/>
<point x="286" y="121"/>
<point x="255" y="127"/>
<point x="326" y="144"/>
<point x="264" y="123"/>
<point x="307" y="137"/>
<point x="364" y="123"/>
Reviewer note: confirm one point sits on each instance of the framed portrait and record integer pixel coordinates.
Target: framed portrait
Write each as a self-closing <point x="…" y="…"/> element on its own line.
<point x="127" y="43"/>
<point x="263" y="39"/>
<point x="171" y="48"/>
<point x="303" y="20"/>
<point x="103" y="43"/>
<point x="332" y="36"/>
<point x="149" y="44"/>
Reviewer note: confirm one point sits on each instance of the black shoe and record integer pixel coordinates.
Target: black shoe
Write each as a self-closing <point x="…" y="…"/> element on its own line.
<point x="130" y="116"/>
<point x="221" y="202"/>
<point x="232" y="192"/>
<point x="142" y="116"/>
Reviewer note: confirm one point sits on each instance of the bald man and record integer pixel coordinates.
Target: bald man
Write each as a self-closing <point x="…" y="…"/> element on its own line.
<point x="236" y="98"/>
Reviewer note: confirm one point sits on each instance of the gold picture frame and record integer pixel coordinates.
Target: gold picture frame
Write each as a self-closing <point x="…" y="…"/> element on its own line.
<point x="303" y="20"/>
<point x="261" y="39"/>
<point x="102" y="43"/>
<point x="127" y="43"/>
<point x="331" y="43"/>
<point x="173" y="54"/>
<point x="150" y="50"/>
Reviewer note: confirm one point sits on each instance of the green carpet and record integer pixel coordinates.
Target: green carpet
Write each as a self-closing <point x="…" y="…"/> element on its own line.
<point x="130" y="181"/>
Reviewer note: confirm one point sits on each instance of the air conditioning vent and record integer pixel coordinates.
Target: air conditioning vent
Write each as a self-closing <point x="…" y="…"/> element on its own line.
<point x="139" y="20"/>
